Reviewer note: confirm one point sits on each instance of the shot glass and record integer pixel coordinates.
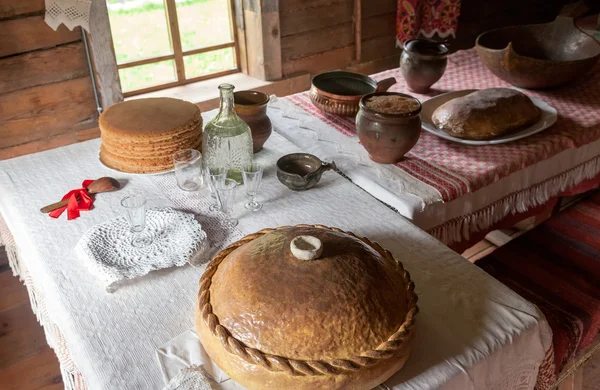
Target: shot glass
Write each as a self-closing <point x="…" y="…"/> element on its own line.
<point x="188" y="169"/>
<point x="135" y="211"/>
<point x="226" y="195"/>
<point x="252" y="175"/>
<point x="214" y="175"/>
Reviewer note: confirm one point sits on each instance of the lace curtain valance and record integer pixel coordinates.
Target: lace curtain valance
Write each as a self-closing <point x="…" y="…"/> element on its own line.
<point x="71" y="13"/>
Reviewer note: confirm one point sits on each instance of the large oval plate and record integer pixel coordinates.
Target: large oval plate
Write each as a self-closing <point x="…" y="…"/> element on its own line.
<point x="547" y="119"/>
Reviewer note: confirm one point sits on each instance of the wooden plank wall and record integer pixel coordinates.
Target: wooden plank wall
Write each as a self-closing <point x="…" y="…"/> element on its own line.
<point x="46" y="97"/>
<point x="318" y="35"/>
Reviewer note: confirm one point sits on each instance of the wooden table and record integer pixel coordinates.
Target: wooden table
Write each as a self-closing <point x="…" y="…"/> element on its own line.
<point x="471" y="330"/>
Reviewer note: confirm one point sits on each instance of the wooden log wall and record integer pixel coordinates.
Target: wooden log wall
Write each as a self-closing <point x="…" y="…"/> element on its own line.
<point x="46" y="97"/>
<point x="318" y="35"/>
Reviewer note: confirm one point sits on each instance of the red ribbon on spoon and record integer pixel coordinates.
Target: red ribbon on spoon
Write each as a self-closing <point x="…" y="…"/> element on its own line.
<point x="79" y="200"/>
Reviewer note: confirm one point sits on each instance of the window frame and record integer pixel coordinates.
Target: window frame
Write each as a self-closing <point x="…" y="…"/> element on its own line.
<point x="255" y="19"/>
<point x="178" y="54"/>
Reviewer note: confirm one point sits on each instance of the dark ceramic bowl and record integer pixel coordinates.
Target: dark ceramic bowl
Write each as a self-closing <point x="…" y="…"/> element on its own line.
<point x="301" y="171"/>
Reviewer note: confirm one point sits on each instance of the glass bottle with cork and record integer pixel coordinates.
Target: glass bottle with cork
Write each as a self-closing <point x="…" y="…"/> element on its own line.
<point x="227" y="140"/>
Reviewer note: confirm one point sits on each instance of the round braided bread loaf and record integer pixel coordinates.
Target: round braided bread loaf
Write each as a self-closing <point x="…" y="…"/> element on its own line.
<point x="271" y="320"/>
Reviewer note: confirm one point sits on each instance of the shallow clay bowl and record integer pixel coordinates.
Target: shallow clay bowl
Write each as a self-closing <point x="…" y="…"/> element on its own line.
<point x="538" y="55"/>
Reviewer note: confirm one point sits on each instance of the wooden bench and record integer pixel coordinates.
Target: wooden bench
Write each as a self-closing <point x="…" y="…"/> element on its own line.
<point x="557" y="266"/>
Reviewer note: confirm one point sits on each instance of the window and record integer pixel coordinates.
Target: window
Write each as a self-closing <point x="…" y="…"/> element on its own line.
<point x="164" y="43"/>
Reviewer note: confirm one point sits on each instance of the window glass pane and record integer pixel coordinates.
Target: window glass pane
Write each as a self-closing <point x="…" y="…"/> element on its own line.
<point x="209" y="62"/>
<point x="139" y="29"/>
<point x="203" y="23"/>
<point x="143" y="76"/>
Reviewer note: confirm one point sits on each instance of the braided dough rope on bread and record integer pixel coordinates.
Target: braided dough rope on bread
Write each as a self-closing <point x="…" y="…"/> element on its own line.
<point x="296" y="367"/>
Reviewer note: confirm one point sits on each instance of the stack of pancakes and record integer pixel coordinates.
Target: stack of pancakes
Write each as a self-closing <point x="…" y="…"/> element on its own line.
<point x="140" y="136"/>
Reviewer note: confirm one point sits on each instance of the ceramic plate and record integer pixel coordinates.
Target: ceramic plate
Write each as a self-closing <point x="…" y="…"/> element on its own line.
<point x="133" y="173"/>
<point x="547" y="119"/>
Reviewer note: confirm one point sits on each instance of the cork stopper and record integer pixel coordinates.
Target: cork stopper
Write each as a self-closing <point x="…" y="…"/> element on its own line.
<point x="306" y="247"/>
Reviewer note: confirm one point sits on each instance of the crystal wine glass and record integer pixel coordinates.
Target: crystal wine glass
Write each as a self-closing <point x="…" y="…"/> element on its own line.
<point x="135" y="210"/>
<point x="213" y="176"/>
<point x="226" y="195"/>
<point x="252" y="174"/>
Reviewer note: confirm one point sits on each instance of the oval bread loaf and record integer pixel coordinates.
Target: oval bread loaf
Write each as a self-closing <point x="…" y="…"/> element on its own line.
<point x="486" y="114"/>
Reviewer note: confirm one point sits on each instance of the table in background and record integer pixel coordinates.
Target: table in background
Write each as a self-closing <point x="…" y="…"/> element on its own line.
<point x="459" y="192"/>
<point x="471" y="332"/>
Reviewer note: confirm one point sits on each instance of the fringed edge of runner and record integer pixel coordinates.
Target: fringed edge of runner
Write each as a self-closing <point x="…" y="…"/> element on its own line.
<point x="72" y="378"/>
<point x="546" y="378"/>
<point x="459" y="229"/>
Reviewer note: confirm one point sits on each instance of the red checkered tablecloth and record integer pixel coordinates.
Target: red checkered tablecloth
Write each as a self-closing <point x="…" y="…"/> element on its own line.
<point x="455" y="169"/>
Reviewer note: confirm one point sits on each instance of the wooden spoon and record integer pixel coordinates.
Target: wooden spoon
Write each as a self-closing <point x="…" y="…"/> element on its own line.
<point x="104" y="184"/>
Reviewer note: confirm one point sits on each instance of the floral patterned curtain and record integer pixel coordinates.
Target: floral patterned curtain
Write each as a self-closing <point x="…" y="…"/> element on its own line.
<point x="426" y="18"/>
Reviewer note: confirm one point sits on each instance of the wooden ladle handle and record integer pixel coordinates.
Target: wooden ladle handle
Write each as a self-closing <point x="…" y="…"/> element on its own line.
<point x="54" y="206"/>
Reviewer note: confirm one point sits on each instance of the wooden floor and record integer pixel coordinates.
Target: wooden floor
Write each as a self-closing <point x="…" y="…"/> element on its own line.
<point x="28" y="363"/>
<point x="26" y="360"/>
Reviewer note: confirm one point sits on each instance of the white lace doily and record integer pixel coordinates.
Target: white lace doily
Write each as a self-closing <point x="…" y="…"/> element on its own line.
<point x="177" y="238"/>
<point x="191" y="378"/>
<point x="72" y="13"/>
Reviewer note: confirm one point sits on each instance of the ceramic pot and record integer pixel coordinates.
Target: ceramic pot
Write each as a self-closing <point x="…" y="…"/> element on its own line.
<point x="422" y="63"/>
<point x="338" y="92"/>
<point x="251" y="107"/>
<point x="388" y="137"/>
<point x="301" y="171"/>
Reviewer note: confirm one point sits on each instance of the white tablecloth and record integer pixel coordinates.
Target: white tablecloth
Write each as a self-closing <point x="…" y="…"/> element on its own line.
<point x="472" y="332"/>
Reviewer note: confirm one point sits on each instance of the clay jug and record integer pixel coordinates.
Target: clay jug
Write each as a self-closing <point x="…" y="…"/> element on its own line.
<point x="422" y="63"/>
<point x="251" y="106"/>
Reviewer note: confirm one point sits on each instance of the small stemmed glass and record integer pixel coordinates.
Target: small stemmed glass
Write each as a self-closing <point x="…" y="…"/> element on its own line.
<point x="135" y="208"/>
<point x="252" y="174"/>
<point x="226" y="194"/>
<point x="213" y="176"/>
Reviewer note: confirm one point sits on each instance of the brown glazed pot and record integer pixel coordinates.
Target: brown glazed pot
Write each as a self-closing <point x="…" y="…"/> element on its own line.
<point x="339" y="92"/>
<point x="422" y="63"/>
<point x="251" y="107"/>
<point x="387" y="137"/>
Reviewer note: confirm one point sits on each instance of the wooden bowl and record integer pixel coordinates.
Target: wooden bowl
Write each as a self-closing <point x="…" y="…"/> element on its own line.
<point x="538" y="55"/>
<point x="338" y="92"/>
